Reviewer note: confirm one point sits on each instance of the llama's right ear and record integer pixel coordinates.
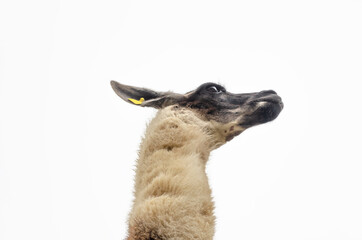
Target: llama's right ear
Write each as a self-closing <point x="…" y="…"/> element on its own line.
<point x="144" y="97"/>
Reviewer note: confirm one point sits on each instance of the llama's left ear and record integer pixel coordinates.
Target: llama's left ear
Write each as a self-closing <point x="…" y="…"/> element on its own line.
<point x="145" y="97"/>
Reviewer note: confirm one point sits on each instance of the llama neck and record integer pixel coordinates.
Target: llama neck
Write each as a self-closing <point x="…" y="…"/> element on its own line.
<point x="171" y="186"/>
<point x="172" y="156"/>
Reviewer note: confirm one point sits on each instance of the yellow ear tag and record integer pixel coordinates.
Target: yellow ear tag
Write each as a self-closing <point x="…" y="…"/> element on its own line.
<point x="138" y="102"/>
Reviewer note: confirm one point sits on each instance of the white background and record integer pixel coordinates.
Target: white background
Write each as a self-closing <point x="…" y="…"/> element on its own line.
<point x="69" y="144"/>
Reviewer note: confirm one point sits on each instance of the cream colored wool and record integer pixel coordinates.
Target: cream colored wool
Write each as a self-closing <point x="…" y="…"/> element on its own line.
<point x="172" y="194"/>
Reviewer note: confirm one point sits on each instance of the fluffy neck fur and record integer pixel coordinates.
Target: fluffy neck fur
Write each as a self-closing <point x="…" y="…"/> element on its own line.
<point x="172" y="195"/>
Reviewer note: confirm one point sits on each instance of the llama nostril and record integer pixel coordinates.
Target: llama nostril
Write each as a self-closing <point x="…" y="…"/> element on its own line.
<point x="281" y="104"/>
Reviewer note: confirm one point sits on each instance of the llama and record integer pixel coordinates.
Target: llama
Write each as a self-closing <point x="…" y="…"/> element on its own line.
<point x="172" y="197"/>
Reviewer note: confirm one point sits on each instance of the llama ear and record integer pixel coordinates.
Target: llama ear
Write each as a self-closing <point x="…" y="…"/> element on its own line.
<point x="145" y="97"/>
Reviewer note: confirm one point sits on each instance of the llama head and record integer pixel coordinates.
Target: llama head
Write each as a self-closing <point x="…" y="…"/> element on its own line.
<point x="229" y="113"/>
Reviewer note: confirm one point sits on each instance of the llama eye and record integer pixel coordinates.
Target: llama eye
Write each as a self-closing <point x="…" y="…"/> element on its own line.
<point x="213" y="89"/>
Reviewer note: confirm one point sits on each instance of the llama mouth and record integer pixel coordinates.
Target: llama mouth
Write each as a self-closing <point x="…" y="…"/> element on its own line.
<point x="264" y="101"/>
<point x="265" y="111"/>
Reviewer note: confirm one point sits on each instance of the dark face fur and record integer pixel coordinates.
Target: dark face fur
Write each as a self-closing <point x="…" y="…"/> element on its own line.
<point x="248" y="109"/>
<point x="212" y="102"/>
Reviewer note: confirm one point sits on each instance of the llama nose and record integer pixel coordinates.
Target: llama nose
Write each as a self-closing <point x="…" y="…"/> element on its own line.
<point x="268" y="92"/>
